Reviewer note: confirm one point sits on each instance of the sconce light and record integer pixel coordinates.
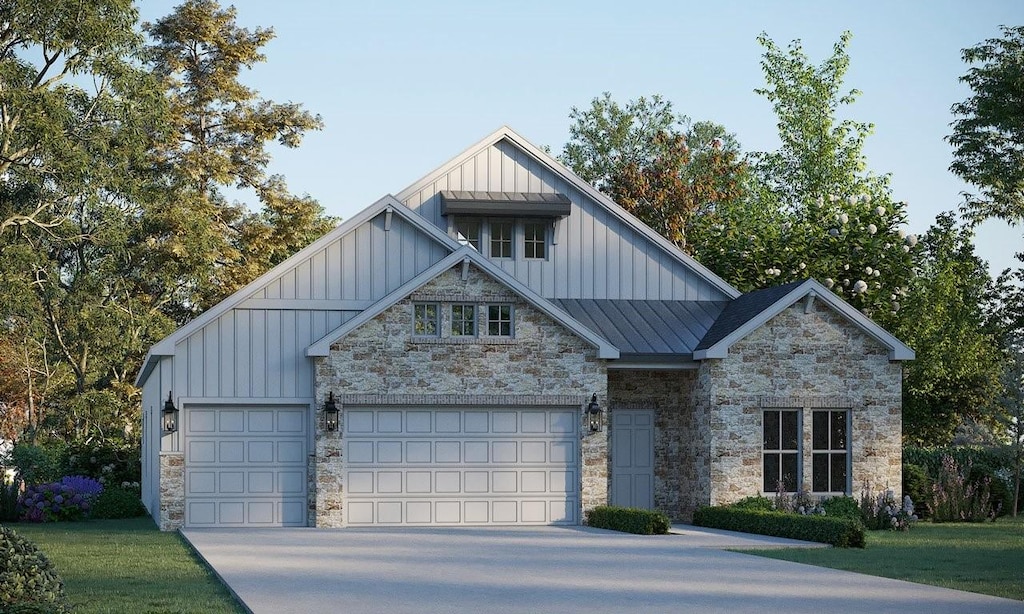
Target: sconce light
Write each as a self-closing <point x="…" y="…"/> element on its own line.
<point x="331" y="414"/>
<point x="594" y="415"/>
<point x="169" y="415"/>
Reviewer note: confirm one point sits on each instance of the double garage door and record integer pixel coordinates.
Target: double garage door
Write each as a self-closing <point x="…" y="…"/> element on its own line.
<point x="453" y="466"/>
<point x="246" y="466"/>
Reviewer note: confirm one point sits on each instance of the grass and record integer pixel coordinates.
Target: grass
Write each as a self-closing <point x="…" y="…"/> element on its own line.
<point x="128" y="566"/>
<point x="981" y="558"/>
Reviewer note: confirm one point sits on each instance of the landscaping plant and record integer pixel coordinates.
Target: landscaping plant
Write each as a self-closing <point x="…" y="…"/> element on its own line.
<point x="954" y="497"/>
<point x="28" y="581"/>
<point x="69" y="499"/>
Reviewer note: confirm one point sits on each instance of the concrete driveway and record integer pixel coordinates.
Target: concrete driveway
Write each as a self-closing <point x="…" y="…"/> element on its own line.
<point x="545" y="569"/>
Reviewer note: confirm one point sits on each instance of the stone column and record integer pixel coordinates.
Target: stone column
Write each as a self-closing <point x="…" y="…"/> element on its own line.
<point x="172" y="491"/>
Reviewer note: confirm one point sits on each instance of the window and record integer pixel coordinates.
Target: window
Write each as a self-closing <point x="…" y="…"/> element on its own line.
<point x="463" y="320"/>
<point x="499" y="320"/>
<point x="501" y="239"/>
<point x="468" y="233"/>
<point x="830" y="444"/>
<point x="425" y="320"/>
<point x="534" y="239"/>
<point x="781" y="450"/>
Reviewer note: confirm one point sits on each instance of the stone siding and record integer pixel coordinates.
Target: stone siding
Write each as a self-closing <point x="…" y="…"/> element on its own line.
<point x="172" y="491"/>
<point x="383" y="360"/>
<point x="804" y="361"/>
<point x="680" y="459"/>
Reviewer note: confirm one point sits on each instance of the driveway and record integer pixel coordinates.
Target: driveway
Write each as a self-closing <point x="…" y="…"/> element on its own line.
<point x="544" y="569"/>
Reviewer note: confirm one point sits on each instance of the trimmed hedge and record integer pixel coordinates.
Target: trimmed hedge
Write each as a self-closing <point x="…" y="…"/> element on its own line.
<point x="840" y="532"/>
<point x="28" y="582"/>
<point x="628" y="520"/>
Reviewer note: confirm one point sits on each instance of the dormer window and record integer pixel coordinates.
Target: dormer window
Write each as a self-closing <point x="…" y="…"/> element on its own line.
<point x="467" y="232"/>
<point x="535" y="240"/>
<point x="501" y="239"/>
<point x="505" y="224"/>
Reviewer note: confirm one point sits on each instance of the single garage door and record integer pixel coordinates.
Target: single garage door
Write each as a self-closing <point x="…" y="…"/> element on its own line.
<point x="245" y="466"/>
<point x="453" y="466"/>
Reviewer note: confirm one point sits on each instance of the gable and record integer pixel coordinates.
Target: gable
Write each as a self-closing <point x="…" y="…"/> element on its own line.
<point x="598" y="251"/>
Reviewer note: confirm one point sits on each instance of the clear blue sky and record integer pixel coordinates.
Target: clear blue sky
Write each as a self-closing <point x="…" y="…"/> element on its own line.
<point x="403" y="86"/>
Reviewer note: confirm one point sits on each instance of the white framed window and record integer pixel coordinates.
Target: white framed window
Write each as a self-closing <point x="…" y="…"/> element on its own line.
<point x="499" y="320"/>
<point x="501" y="238"/>
<point x="781" y="449"/>
<point x="425" y="320"/>
<point x="535" y="240"/>
<point x="830" y="451"/>
<point x="463" y="320"/>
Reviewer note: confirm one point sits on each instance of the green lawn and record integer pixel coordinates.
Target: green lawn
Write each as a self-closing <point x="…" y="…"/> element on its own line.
<point x="128" y="566"/>
<point x="982" y="558"/>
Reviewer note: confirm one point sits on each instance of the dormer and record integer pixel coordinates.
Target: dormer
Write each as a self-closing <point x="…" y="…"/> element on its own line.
<point x="505" y="225"/>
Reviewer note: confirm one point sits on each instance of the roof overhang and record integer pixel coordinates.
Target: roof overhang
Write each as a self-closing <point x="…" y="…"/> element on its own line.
<point x="513" y="204"/>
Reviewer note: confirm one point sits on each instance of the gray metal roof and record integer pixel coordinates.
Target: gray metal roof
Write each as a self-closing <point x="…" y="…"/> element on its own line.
<point x="505" y="203"/>
<point x="646" y="328"/>
<point x="743" y="309"/>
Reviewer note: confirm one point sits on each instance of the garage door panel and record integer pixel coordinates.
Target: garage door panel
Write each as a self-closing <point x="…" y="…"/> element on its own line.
<point x="231" y="452"/>
<point x="461" y="466"/>
<point x="291" y="452"/>
<point x="261" y="451"/>
<point x="230" y="421"/>
<point x="359" y="421"/>
<point x="261" y="422"/>
<point x="202" y="451"/>
<point x="231" y="482"/>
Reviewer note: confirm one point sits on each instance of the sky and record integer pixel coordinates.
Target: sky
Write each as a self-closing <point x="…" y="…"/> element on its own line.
<point x="404" y="86"/>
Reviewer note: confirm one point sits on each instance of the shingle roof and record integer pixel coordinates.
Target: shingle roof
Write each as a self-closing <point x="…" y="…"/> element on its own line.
<point x="640" y="327"/>
<point x="741" y="310"/>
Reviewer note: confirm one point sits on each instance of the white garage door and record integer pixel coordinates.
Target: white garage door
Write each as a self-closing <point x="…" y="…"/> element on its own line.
<point x="461" y="466"/>
<point x="245" y="466"/>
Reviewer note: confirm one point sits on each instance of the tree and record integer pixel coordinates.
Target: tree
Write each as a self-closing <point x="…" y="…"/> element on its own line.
<point x="988" y="137"/>
<point x="959" y="353"/>
<point x="206" y="247"/>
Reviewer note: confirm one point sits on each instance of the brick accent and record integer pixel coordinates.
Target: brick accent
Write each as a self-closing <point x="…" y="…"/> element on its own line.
<point x="803" y="361"/>
<point x="172" y="491"/>
<point x="381" y="362"/>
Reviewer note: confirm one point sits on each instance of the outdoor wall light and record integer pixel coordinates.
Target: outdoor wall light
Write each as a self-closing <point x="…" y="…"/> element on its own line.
<point x="594" y="415"/>
<point x="169" y="415"/>
<point x="331" y="414"/>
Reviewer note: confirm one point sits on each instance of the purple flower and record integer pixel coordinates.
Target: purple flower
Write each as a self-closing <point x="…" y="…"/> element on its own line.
<point x="58" y="499"/>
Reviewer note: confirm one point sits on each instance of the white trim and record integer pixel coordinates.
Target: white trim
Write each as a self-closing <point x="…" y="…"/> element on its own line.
<point x="556" y="167"/>
<point x="605" y="350"/>
<point x="897" y="349"/>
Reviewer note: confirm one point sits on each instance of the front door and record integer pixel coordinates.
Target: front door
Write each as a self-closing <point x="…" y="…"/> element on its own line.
<point x="633" y="458"/>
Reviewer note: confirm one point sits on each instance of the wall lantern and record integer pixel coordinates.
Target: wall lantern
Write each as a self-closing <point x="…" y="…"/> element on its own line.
<point x="594" y="415"/>
<point x="331" y="414"/>
<point x="169" y="415"/>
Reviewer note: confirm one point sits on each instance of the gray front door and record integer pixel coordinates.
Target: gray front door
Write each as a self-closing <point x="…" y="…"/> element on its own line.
<point x="633" y="458"/>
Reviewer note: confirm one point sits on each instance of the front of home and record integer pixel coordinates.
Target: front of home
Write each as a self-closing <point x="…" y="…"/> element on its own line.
<point x="499" y="343"/>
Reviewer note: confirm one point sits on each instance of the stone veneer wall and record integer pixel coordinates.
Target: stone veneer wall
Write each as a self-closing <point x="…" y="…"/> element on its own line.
<point x="801" y="361"/>
<point x="384" y="363"/>
<point x="172" y="490"/>
<point x="680" y="461"/>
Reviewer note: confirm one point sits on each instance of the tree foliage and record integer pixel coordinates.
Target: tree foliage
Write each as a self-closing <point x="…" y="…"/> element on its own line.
<point x="988" y="136"/>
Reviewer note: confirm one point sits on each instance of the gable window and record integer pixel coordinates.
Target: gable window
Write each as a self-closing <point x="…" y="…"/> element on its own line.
<point x="781" y="452"/>
<point x="499" y="320"/>
<point x="501" y="239"/>
<point x="535" y="240"/>
<point x="463" y="320"/>
<point x="830" y="451"/>
<point x="425" y="320"/>
<point x="468" y="232"/>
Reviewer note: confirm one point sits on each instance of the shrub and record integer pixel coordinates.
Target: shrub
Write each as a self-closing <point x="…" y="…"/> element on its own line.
<point x="955" y="498"/>
<point x="628" y="520"/>
<point x="842" y="507"/>
<point x="110" y="464"/>
<point x="28" y="582"/>
<point x="59" y="500"/>
<point x="916" y="484"/>
<point x="118" y="502"/>
<point x="1000" y="497"/>
<point x="885" y="511"/>
<point x="840" y="532"/>
<point x="10" y="491"/>
<point x="38" y="464"/>
<point x="756" y="503"/>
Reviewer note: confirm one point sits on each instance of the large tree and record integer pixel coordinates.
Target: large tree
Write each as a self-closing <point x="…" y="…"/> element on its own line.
<point x="988" y="136"/>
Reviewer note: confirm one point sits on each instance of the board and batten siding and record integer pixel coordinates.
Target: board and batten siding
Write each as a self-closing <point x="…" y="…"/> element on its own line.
<point x="154" y="393"/>
<point x="257" y="349"/>
<point x="596" y="254"/>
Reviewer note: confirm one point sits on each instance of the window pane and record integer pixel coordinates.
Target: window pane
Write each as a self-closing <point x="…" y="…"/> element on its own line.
<point x="425" y="320"/>
<point x="499" y="320"/>
<point x="771" y="430"/>
<point x="534" y="239"/>
<point x="463" y="320"/>
<point x="838" y="472"/>
<point x="501" y="239"/>
<point x="819" y="473"/>
<point x="819" y="430"/>
<point x="839" y="430"/>
<point x="789" y="430"/>
<point x="468" y="233"/>
<point x="789" y="471"/>
<point x="770" y="472"/>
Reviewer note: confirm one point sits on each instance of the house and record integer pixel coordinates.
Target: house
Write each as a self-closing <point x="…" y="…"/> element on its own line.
<point x="464" y="329"/>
